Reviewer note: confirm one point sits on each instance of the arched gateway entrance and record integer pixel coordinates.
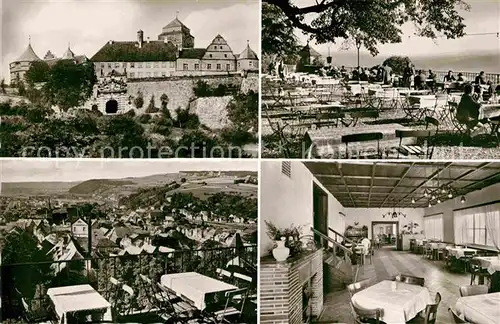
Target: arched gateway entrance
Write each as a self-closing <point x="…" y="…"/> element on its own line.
<point x="112" y="106"/>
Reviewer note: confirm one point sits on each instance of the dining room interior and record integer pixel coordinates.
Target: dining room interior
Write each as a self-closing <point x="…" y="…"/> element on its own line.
<point x="379" y="242"/>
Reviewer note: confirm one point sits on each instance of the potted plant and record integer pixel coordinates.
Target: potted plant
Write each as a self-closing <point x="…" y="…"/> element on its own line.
<point x="287" y="241"/>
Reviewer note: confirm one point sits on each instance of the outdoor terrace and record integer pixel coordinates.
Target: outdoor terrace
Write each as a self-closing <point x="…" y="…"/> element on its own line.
<point x="307" y="116"/>
<point x="129" y="286"/>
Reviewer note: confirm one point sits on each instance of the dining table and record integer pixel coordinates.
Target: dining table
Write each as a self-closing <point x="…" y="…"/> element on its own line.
<point x="480" y="309"/>
<point x="399" y="301"/>
<point x="325" y="142"/>
<point x="460" y="252"/>
<point x="195" y="288"/>
<point x="78" y="298"/>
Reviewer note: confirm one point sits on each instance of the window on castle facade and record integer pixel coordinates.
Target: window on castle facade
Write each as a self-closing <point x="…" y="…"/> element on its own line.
<point x="148" y="74"/>
<point x="156" y="65"/>
<point x="109" y="66"/>
<point x="249" y="63"/>
<point x="117" y="65"/>
<point x="172" y="64"/>
<point x="148" y="65"/>
<point x="163" y="64"/>
<point x="139" y="65"/>
<point x="185" y="66"/>
<point x="163" y="74"/>
<point x="210" y="55"/>
<point x="155" y="74"/>
<point x="225" y="55"/>
<point x="132" y="64"/>
<point x="139" y="74"/>
<point x="218" y="66"/>
<point x="209" y="66"/>
<point x="132" y="74"/>
<point x="196" y="67"/>
<point x="228" y="67"/>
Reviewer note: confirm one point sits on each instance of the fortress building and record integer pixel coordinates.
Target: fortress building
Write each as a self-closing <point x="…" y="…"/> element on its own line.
<point x="19" y="67"/>
<point x="172" y="54"/>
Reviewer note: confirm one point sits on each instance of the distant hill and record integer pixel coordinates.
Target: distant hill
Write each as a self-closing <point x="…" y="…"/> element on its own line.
<point x="97" y="185"/>
<point x="104" y="187"/>
<point x="35" y="188"/>
<point x="488" y="62"/>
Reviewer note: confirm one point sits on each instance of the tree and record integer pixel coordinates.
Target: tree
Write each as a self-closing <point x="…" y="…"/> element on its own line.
<point x="139" y="100"/>
<point x="277" y="32"/>
<point x="397" y="63"/>
<point x="243" y="111"/>
<point x="374" y="21"/>
<point x="39" y="71"/>
<point x="21" y="88"/>
<point x="69" y="84"/>
<point x="151" y="107"/>
<point x="164" y="106"/>
<point x="2" y="86"/>
<point x="186" y="119"/>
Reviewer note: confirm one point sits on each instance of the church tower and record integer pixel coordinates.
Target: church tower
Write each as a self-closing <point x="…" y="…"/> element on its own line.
<point x="177" y="33"/>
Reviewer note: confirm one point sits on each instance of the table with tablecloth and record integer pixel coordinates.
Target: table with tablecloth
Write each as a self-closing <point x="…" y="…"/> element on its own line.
<point x="400" y="301"/>
<point x="78" y="298"/>
<point x="480" y="309"/>
<point x="459" y="252"/>
<point x="492" y="264"/>
<point x="195" y="287"/>
<point x="489" y="110"/>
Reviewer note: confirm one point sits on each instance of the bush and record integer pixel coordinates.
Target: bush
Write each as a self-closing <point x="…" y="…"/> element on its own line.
<point x="139" y="100"/>
<point x="202" y="89"/>
<point x="237" y="137"/>
<point x="185" y="119"/>
<point x="144" y="119"/>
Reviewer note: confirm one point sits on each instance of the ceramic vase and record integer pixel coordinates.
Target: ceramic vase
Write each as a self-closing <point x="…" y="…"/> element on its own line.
<point x="281" y="252"/>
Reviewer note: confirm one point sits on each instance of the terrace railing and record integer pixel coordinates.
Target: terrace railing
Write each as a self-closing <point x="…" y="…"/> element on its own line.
<point x="32" y="280"/>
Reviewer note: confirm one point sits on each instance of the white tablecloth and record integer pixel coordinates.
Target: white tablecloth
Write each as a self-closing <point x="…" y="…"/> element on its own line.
<point x="480" y="309"/>
<point x="400" y="301"/>
<point x="492" y="264"/>
<point x="460" y="252"/>
<point x="194" y="286"/>
<point x="76" y="299"/>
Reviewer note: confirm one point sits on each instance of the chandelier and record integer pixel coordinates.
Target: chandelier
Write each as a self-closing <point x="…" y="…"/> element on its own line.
<point x="393" y="214"/>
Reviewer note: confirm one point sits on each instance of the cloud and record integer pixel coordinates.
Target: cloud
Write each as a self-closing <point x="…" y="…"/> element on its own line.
<point x="88" y="24"/>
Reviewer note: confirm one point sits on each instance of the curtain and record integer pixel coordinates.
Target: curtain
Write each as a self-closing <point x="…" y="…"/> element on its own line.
<point x="492" y="222"/>
<point x="433" y="227"/>
<point x="479" y="225"/>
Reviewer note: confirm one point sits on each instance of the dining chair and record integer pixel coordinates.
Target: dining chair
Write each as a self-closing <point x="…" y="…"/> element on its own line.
<point x="358" y="286"/>
<point x="455" y="317"/>
<point x="232" y="310"/>
<point x="415" y="150"/>
<point x="32" y="315"/>
<point x="224" y="275"/>
<point x="363" y="315"/>
<point x="477" y="270"/>
<point x="172" y="309"/>
<point x="473" y="290"/>
<point x="410" y="279"/>
<point x="363" y="137"/>
<point x="430" y="312"/>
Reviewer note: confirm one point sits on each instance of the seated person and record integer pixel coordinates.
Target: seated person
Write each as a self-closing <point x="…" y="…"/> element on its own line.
<point x="419" y="81"/>
<point x="461" y="78"/>
<point x="468" y="109"/>
<point x="480" y="79"/>
<point x="364" y="75"/>
<point x="449" y="77"/>
<point x="432" y="80"/>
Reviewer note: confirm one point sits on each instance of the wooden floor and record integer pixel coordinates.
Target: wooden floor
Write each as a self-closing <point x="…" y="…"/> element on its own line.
<point x="387" y="262"/>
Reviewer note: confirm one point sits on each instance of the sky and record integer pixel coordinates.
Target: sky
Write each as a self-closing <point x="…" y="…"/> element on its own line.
<point x="88" y="24"/>
<point x="69" y="170"/>
<point x="483" y="17"/>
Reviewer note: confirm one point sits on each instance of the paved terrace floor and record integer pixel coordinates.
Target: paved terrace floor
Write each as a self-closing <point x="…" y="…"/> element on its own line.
<point x="387" y="262"/>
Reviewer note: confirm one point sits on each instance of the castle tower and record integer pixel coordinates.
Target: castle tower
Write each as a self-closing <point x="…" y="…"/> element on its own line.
<point x="21" y="65"/>
<point x="177" y="33"/>
<point x="68" y="55"/>
<point x="140" y="38"/>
